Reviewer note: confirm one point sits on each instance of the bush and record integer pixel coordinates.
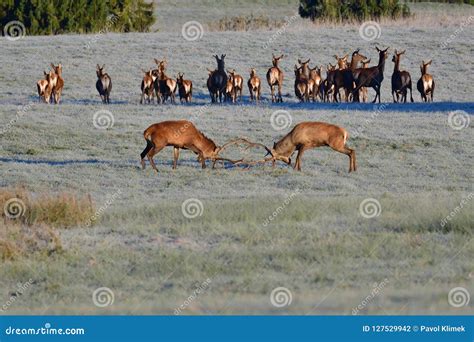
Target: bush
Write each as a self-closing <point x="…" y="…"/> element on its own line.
<point x="352" y="10"/>
<point x="79" y="16"/>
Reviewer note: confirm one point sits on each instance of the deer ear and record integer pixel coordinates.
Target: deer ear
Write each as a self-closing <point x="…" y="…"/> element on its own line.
<point x="52" y="65"/>
<point x="299" y="61"/>
<point x="428" y="63"/>
<point x="401" y="53"/>
<point x="335" y="56"/>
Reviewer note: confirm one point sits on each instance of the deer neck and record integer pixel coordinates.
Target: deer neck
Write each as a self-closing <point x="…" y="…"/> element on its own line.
<point x="204" y="144"/>
<point x="396" y="66"/>
<point x="381" y="64"/>
<point x="285" y="146"/>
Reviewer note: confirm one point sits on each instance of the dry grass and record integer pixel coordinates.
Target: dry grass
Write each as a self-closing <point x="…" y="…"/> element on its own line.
<point x="246" y="23"/>
<point x="62" y="210"/>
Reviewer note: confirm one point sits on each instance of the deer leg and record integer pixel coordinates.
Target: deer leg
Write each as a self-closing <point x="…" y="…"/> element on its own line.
<point x="298" y="159"/>
<point x="175" y="157"/>
<point x="280" y="99"/>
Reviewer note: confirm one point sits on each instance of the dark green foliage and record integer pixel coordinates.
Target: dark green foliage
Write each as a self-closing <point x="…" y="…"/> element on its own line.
<point x="80" y="16"/>
<point x="352" y="10"/>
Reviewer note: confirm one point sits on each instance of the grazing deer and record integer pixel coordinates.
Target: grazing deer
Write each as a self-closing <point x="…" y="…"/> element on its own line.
<point x="275" y="78"/>
<point x="348" y="73"/>
<point x="426" y="84"/>
<point x="363" y="92"/>
<point x="44" y="87"/>
<point x="308" y="135"/>
<point x="401" y="80"/>
<point x="147" y="86"/>
<point x="237" y="83"/>
<point x="254" y="86"/>
<point x="371" y="77"/>
<point x="185" y="88"/>
<point x="219" y="80"/>
<point x="59" y="83"/>
<point x="301" y="84"/>
<point x="314" y="82"/>
<point x="166" y="86"/>
<point x="229" y="94"/>
<point x="103" y="84"/>
<point x="180" y="134"/>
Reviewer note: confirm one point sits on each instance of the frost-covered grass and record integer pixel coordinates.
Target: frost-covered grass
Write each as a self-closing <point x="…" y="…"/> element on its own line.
<point x="318" y="244"/>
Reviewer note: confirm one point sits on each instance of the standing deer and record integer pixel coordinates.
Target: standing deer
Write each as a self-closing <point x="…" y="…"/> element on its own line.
<point x="308" y="135"/>
<point x="237" y="84"/>
<point x="209" y="83"/>
<point x="401" y="80"/>
<point x="59" y="83"/>
<point x="336" y="80"/>
<point x="103" y="84"/>
<point x="315" y="81"/>
<point x="218" y="80"/>
<point x="348" y="74"/>
<point x="167" y="86"/>
<point x="426" y="84"/>
<point x="229" y="94"/>
<point x="304" y="67"/>
<point x="275" y="78"/>
<point x="371" y="77"/>
<point x="44" y="87"/>
<point x="254" y="86"/>
<point x="363" y="92"/>
<point x="185" y="88"/>
<point x="301" y="84"/>
<point x="147" y="86"/>
<point x="180" y="134"/>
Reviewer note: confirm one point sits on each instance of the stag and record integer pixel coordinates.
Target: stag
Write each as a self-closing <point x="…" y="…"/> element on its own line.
<point x="218" y="80"/>
<point x="58" y="84"/>
<point x="185" y="88"/>
<point x="426" y="84"/>
<point x="371" y="77"/>
<point x="254" y="86"/>
<point x="103" y="84"/>
<point x="401" y="80"/>
<point x="180" y="134"/>
<point x="275" y="78"/>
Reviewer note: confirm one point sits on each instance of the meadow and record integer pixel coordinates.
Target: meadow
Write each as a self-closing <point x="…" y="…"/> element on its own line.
<point x="254" y="230"/>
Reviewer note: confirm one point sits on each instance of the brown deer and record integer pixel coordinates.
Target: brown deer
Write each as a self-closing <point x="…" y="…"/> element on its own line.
<point x="237" y="83"/>
<point x="328" y="83"/>
<point x="426" y="84"/>
<point x="301" y="84"/>
<point x="229" y="93"/>
<point x="275" y="78"/>
<point x="308" y="135"/>
<point x="363" y="92"/>
<point x="180" y="134"/>
<point x="59" y="83"/>
<point x="304" y="67"/>
<point x="254" y="86"/>
<point x="44" y="87"/>
<point x="348" y="73"/>
<point x="167" y="86"/>
<point x="401" y="80"/>
<point x="209" y="82"/>
<point x="314" y="82"/>
<point x="185" y="88"/>
<point x="147" y="86"/>
<point x="103" y="84"/>
<point x="371" y="77"/>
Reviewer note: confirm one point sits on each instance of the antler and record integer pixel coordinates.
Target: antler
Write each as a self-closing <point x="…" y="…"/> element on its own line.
<point x="249" y="144"/>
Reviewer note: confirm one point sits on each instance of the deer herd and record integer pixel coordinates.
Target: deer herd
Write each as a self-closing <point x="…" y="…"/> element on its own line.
<point x="351" y="77"/>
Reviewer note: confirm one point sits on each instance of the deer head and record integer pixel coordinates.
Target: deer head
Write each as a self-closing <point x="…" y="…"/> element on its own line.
<point x="276" y="60"/>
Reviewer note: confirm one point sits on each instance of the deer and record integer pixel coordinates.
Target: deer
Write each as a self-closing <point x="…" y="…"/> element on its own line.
<point x="147" y="86"/>
<point x="237" y="84"/>
<point x="308" y="135"/>
<point x="363" y="92"/>
<point x="301" y="84"/>
<point x="229" y="94"/>
<point x="304" y="67"/>
<point x="209" y="83"/>
<point x="329" y="82"/>
<point x="59" y="83"/>
<point x="275" y="78"/>
<point x="166" y="86"/>
<point x="44" y="87"/>
<point x="219" y="80"/>
<point x="103" y="84"/>
<point x="254" y="86"/>
<point x="426" y="84"/>
<point x="181" y="134"/>
<point x="315" y="81"/>
<point x="371" y="77"/>
<point x="401" y="80"/>
<point x="348" y="73"/>
<point x="185" y="88"/>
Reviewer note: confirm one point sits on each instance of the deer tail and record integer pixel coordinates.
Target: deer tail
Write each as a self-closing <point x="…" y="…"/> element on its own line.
<point x="149" y="143"/>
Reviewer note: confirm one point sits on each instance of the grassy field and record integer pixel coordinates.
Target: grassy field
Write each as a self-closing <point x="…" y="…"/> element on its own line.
<point x="257" y="229"/>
